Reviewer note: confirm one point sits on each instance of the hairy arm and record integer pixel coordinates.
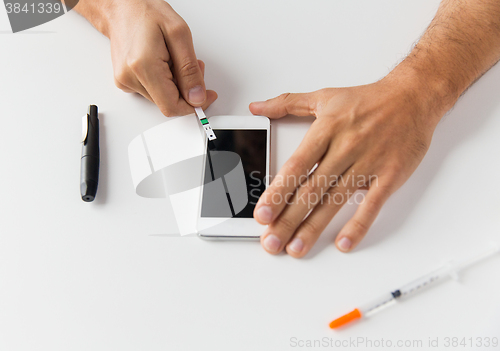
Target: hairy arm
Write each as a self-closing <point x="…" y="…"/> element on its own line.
<point x="377" y="131"/>
<point x="459" y="46"/>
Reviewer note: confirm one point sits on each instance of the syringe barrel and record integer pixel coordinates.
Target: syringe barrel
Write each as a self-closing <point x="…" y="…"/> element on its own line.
<point x="376" y="305"/>
<point x="426" y="281"/>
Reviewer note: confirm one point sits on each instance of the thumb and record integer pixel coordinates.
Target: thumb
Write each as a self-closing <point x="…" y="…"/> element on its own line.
<point x="191" y="82"/>
<point x="287" y="104"/>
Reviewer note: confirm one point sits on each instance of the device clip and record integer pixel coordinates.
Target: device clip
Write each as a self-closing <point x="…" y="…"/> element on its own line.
<point x="85" y="127"/>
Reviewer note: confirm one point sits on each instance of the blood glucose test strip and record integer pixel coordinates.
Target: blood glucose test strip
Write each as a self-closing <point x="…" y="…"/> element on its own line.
<point x="205" y="124"/>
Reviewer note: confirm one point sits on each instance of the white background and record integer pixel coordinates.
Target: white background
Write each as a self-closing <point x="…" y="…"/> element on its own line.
<point x="79" y="276"/>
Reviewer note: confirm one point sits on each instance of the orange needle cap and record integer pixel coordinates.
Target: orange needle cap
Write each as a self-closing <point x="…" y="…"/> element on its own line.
<point x="345" y="319"/>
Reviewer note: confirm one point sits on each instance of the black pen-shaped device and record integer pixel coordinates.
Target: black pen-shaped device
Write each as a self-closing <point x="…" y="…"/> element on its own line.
<point x="90" y="160"/>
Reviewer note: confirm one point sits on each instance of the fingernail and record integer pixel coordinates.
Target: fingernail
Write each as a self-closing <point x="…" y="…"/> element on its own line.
<point x="265" y="214"/>
<point x="196" y="95"/>
<point x="272" y="243"/>
<point x="344" y="244"/>
<point x="296" y="245"/>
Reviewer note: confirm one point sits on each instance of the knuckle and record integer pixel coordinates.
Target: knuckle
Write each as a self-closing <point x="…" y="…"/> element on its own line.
<point x="371" y="207"/>
<point x="307" y="191"/>
<point x="320" y="134"/>
<point x="384" y="190"/>
<point x="285" y="97"/>
<point x="287" y="224"/>
<point x="310" y="227"/>
<point x="136" y="64"/>
<point x="167" y="111"/>
<point x="274" y="196"/>
<point x="373" y="181"/>
<point x="178" y="30"/>
<point x="119" y="85"/>
<point x="351" y="142"/>
<point x="189" y="69"/>
<point x="359" y="227"/>
<point x="295" y="165"/>
<point x="335" y="197"/>
<point x="121" y="76"/>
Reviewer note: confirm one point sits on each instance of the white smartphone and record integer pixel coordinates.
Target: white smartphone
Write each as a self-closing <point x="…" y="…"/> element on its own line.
<point x="243" y="144"/>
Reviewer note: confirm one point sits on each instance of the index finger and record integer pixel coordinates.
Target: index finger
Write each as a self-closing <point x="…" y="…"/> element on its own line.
<point x="153" y="73"/>
<point x="157" y="79"/>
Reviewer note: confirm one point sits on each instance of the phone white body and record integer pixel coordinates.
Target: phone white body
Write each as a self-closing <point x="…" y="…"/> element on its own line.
<point x="235" y="228"/>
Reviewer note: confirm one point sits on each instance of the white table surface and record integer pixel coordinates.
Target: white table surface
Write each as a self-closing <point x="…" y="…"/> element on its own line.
<point x="79" y="276"/>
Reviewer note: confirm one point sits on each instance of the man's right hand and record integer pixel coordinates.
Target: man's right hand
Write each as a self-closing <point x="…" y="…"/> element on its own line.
<point x="152" y="53"/>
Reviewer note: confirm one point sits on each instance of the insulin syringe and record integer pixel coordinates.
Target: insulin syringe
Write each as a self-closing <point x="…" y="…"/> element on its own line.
<point x="449" y="270"/>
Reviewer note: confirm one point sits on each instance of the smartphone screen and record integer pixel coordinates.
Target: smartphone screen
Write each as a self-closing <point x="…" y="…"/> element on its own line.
<point x="250" y="145"/>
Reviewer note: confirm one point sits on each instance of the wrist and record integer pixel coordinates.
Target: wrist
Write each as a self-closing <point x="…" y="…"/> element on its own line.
<point x="99" y="13"/>
<point x="431" y="94"/>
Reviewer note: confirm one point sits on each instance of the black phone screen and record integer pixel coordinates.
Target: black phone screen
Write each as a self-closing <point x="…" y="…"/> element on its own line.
<point x="250" y="145"/>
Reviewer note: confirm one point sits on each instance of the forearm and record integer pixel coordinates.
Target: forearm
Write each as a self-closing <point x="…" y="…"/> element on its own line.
<point x="460" y="45"/>
<point x="98" y="13"/>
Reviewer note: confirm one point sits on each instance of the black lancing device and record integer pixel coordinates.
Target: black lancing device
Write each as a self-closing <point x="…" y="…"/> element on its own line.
<point x="90" y="160"/>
